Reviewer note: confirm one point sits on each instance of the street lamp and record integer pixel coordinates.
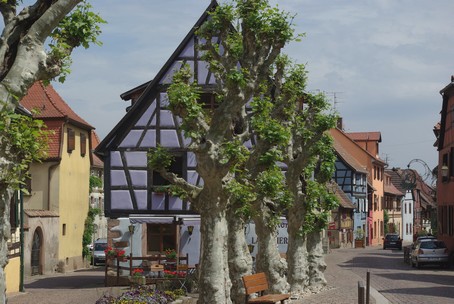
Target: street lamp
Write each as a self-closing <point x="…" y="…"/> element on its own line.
<point x="131" y="229"/>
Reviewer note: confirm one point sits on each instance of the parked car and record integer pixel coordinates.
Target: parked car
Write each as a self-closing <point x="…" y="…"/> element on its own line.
<point x="425" y="237"/>
<point x="99" y="256"/>
<point x="430" y="251"/>
<point x="392" y="240"/>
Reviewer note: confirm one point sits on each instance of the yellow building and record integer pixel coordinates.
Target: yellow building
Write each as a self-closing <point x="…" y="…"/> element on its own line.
<point x="57" y="206"/>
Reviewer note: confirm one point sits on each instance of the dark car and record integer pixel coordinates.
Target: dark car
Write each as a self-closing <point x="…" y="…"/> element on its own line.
<point x="392" y="240"/>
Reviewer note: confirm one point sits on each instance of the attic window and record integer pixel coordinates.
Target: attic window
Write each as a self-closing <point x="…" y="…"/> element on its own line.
<point x="83" y="144"/>
<point x="71" y="140"/>
<point x="208" y="101"/>
<point x="176" y="167"/>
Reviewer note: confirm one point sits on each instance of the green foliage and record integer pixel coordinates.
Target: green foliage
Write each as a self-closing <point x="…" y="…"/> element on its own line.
<point x="95" y="181"/>
<point x="80" y="28"/>
<point x="183" y="98"/>
<point x="159" y="158"/>
<point x="25" y="140"/>
<point x="243" y="195"/>
<point x="178" y="192"/>
<point x="87" y="237"/>
<point x="234" y="152"/>
<point x="267" y="127"/>
<point x="385" y="221"/>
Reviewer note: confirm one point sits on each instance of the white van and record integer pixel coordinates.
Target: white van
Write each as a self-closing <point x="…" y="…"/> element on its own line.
<point x="99" y="255"/>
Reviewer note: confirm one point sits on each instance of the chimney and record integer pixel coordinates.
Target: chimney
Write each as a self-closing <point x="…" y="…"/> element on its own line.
<point x="339" y="124"/>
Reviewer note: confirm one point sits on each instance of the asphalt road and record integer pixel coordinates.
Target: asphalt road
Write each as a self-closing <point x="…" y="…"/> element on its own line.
<point x="401" y="283"/>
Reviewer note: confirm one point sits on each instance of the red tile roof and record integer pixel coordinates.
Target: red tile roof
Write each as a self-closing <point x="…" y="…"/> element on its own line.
<point x="51" y="105"/>
<point x="348" y="158"/>
<point x="344" y="199"/>
<point x="96" y="161"/>
<point x="361" y="136"/>
<point x="391" y="189"/>
<point x="55" y="112"/>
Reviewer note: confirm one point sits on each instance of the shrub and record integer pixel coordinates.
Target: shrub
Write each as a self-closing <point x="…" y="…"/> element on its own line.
<point x="141" y="295"/>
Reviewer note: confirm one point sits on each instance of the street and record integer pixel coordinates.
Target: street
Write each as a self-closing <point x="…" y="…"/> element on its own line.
<point x="395" y="280"/>
<point x="398" y="281"/>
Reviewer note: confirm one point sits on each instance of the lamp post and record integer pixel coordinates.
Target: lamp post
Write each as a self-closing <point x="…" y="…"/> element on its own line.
<point x="131" y="229"/>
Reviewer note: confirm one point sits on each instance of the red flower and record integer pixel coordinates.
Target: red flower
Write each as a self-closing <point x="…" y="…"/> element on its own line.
<point x="137" y="272"/>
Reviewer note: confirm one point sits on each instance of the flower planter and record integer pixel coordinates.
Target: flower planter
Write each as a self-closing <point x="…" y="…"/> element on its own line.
<point x="359" y="244"/>
<point x="139" y="280"/>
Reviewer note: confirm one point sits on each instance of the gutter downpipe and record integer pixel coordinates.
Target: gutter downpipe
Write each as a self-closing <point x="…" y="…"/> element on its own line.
<point x="21" y="238"/>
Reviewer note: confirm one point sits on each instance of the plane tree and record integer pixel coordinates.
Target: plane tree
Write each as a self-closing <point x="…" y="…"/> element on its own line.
<point x="242" y="40"/>
<point x="35" y="44"/>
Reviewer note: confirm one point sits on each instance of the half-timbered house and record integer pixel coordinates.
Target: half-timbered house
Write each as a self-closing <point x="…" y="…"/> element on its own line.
<point x="134" y="194"/>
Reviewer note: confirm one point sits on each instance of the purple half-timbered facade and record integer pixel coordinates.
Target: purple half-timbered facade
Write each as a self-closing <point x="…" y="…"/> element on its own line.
<point x="136" y="195"/>
<point x="148" y="123"/>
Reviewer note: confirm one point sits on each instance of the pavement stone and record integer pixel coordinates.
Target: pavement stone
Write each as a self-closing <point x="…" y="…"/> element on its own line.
<point x="86" y="286"/>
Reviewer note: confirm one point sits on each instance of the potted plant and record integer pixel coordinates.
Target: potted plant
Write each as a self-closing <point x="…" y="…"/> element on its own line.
<point x="170" y="274"/>
<point x="138" y="277"/>
<point x="171" y="254"/>
<point x="359" y="238"/>
<point x="110" y="253"/>
<point x="121" y="255"/>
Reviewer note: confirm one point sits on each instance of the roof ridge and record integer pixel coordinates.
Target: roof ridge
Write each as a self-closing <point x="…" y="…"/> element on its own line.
<point x="49" y="97"/>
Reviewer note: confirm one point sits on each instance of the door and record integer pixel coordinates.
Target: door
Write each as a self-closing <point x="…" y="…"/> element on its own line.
<point x="36" y="253"/>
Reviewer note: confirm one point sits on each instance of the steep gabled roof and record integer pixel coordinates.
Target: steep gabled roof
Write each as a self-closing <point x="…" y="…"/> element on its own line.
<point x="119" y="130"/>
<point x="344" y="200"/>
<point x="50" y="105"/>
<point x="365" y="136"/>
<point x="396" y="178"/>
<point x="95" y="160"/>
<point x="54" y="111"/>
<point x="348" y="158"/>
<point x="392" y="189"/>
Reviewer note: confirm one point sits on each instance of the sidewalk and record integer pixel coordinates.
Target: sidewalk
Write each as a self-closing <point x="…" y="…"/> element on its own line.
<point x="342" y="285"/>
<point x="86" y="286"/>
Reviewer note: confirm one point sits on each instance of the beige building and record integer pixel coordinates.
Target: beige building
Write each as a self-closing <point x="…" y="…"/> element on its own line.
<point x="57" y="206"/>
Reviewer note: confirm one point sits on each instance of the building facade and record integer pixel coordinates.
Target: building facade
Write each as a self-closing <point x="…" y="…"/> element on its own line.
<point x="445" y="185"/>
<point x="56" y="207"/>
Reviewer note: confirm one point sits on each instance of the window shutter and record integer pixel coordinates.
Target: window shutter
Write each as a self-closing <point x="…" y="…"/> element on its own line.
<point x="71" y="140"/>
<point x="83" y="144"/>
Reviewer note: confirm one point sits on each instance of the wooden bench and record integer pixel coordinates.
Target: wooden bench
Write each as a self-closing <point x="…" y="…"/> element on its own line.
<point x="257" y="283"/>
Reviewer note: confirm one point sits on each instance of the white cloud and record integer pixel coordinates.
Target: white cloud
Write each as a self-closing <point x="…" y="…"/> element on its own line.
<point x="386" y="59"/>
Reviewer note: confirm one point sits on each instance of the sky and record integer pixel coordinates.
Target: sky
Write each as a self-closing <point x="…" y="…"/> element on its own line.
<point x="382" y="63"/>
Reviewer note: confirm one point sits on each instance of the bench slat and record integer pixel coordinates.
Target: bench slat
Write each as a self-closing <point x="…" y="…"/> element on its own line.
<point x="257" y="283"/>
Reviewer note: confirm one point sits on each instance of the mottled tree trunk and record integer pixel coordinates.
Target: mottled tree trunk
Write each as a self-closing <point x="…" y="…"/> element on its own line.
<point x="240" y="260"/>
<point x="214" y="285"/>
<point x="269" y="260"/>
<point x="296" y="255"/>
<point x="5" y="234"/>
<point x="316" y="261"/>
